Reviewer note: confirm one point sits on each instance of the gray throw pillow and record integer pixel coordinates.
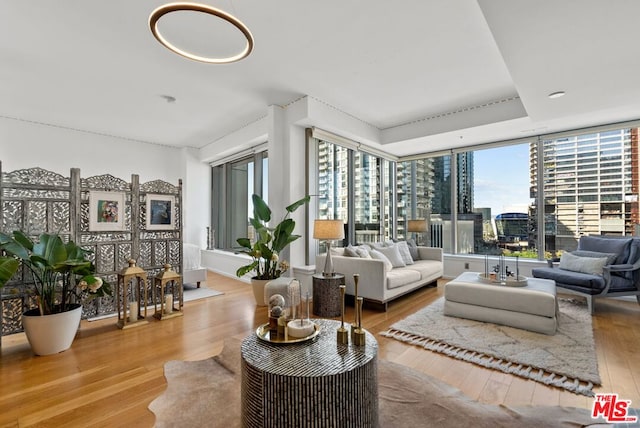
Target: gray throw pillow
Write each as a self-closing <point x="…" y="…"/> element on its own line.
<point x="590" y="265"/>
<point x="611" y="257"/>
<point x="375" y="254"/>
<point x="350" y="251"/>
<point x="393" y="254"/>
<point x="405" y="252"/>
<point x="413" y="249"/>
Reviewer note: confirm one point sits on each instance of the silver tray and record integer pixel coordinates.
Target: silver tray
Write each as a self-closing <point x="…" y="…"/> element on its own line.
<point x="521" y="281"/>
<point x="263" y="334"/>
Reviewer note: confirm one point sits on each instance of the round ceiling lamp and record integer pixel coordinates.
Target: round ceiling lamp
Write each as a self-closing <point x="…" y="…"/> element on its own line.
<point x="200" y="8"/>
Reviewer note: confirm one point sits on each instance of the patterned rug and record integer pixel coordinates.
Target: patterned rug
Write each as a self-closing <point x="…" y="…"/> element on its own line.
<point x="566" y="359"/>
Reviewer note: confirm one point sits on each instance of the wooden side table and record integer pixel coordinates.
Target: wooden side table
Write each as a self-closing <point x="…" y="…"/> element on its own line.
<point x="311" y="384"/>
<point x="326" y="295"/>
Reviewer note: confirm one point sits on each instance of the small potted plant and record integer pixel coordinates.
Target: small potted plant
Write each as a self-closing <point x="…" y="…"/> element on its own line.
<point x="63" y="277"/>
<point x="270" y="241"/>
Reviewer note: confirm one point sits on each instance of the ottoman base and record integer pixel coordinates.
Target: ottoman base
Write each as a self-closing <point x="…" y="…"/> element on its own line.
<point x="520" y="320"/>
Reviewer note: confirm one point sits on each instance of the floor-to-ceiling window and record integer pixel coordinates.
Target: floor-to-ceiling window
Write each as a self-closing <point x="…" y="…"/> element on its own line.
<point x="591" y="184"/>
<point x="354" y="186"/>
<point x="493" y="200"/>
<point x="233" y="184"/>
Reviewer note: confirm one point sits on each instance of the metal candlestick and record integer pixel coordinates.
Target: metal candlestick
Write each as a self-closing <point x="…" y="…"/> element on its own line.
<point x="356" y="278"/>
<point x="358" y="335"/>
<point x="342" y="333"/>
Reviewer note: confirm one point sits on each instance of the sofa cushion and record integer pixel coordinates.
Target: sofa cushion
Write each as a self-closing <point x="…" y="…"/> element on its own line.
<point x="404" y="252"/>
<point x="591" y="265"/>
<point x="375" y="254"/>
<point x="426" y="268"/>
<point x="584" y="282"/>
<point x="393" y="254"/>
<point x="401" y="277"/>
<point x="619" y="246"/>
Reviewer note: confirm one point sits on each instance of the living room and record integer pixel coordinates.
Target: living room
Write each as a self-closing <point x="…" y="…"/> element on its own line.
<point x="115" y="101"/>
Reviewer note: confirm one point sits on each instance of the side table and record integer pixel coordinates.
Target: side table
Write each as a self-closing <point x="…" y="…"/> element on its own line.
<point x="326" y="295"/>
<point x="317" y="383"/>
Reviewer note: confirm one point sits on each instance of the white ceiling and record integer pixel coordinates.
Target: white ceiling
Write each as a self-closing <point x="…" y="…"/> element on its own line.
<point x="428" y="74"/>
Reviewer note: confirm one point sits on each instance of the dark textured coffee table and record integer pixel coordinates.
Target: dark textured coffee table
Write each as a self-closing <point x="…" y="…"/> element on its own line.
<point x="310" y="384"/>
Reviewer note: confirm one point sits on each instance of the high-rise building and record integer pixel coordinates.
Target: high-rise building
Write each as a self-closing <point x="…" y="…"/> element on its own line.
<point x="591" y="184"/>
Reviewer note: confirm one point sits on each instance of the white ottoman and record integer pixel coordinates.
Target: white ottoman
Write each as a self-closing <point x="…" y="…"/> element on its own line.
<point x="533" y="307"/>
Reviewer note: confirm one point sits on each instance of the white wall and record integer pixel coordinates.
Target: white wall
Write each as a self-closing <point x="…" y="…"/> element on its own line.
<point x="26" y="145"/>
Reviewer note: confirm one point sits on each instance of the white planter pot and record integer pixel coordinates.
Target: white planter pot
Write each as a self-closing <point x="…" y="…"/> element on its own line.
<point x="50" y="334"/>
<point x="258" y="290"/>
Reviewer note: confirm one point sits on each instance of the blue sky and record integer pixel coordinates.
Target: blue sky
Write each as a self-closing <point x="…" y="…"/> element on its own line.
<point x="501" y="178"/>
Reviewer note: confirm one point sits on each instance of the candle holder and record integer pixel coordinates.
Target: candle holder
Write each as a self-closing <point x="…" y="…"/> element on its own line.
<point x="342" y="334"/>
<point x="354" y="326"/>
<point x="167" y="285"/>
<point x="359" y="337"/>
<point x="135" y="278"/>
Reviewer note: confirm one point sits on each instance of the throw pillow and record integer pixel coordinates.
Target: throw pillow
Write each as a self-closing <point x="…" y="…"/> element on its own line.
<point x="590" y="265"/>
<point x="413" y="249"/>
<point x="361" y="251"/>
<point x="337" y="251"/>
<point x="405" y="253"/>
<point x="375" y="254"/>
<point x="393" y="254"/>
<point x="611" y="257"/>
<point x="350" y="251"/>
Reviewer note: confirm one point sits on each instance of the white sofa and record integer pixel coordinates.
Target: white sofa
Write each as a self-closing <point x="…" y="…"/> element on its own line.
<point x="379" y="286"/>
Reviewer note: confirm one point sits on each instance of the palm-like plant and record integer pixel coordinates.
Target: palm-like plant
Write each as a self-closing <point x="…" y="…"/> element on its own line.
<point x="61" y="272"/>
<point x="270" y="241"/>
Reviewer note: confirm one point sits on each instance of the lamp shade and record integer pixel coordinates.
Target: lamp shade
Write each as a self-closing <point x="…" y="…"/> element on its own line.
<point x="328" y="229"/>
<point x="419" y="225"/>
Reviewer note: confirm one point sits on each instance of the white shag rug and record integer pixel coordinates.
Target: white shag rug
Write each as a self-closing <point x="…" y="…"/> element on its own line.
<point x="566" y="359"/>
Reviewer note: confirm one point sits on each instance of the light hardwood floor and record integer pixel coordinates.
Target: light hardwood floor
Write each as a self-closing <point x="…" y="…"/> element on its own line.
<point x="109" y="376"/>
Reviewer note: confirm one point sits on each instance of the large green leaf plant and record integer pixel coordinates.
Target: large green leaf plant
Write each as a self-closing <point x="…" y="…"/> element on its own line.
<point x="270" y="241"/>
<point x="62" y="273"/>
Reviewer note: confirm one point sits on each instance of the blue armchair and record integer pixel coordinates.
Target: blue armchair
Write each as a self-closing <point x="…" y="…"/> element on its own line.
<point x="579" y="271"/>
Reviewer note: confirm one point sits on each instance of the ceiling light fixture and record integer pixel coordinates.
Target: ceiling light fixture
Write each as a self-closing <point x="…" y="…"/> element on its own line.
<point x="195" y="7"/>
<point x="557" y="94"/>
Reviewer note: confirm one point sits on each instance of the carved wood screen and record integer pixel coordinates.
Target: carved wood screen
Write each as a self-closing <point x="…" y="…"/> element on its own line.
<point x="36" y="201"/>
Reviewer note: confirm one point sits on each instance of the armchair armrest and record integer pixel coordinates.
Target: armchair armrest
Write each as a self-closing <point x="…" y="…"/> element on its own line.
<point x="620" y="268"/>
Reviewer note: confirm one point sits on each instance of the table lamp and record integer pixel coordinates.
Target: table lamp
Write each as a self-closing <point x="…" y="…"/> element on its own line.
<point x="328" y="230"/>
<point x="417" y="226"/>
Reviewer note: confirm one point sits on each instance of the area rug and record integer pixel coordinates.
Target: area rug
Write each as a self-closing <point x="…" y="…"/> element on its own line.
<point x="192" y="293"/>
<point x="566" y="359"/>
<point x="207" y="393"/>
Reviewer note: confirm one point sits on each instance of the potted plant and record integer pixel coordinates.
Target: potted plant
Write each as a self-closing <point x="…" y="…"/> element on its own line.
<point x="62" y="277"/>
<point x="270" y="241"/>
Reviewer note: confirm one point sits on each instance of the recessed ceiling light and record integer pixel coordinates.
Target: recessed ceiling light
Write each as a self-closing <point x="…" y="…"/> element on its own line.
<point x="201" y="8"/>
<point x="557" y="94"/>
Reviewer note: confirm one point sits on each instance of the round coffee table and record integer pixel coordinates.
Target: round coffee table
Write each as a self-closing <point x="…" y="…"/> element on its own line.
<point x="310" y="384"/>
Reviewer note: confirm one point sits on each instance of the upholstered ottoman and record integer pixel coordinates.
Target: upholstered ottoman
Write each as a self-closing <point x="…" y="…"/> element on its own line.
<point x="533" y="307"/>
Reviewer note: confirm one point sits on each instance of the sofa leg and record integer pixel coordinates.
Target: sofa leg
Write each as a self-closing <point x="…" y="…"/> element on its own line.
<point x="198" y="284"/>
<point x="638" y="298"/>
